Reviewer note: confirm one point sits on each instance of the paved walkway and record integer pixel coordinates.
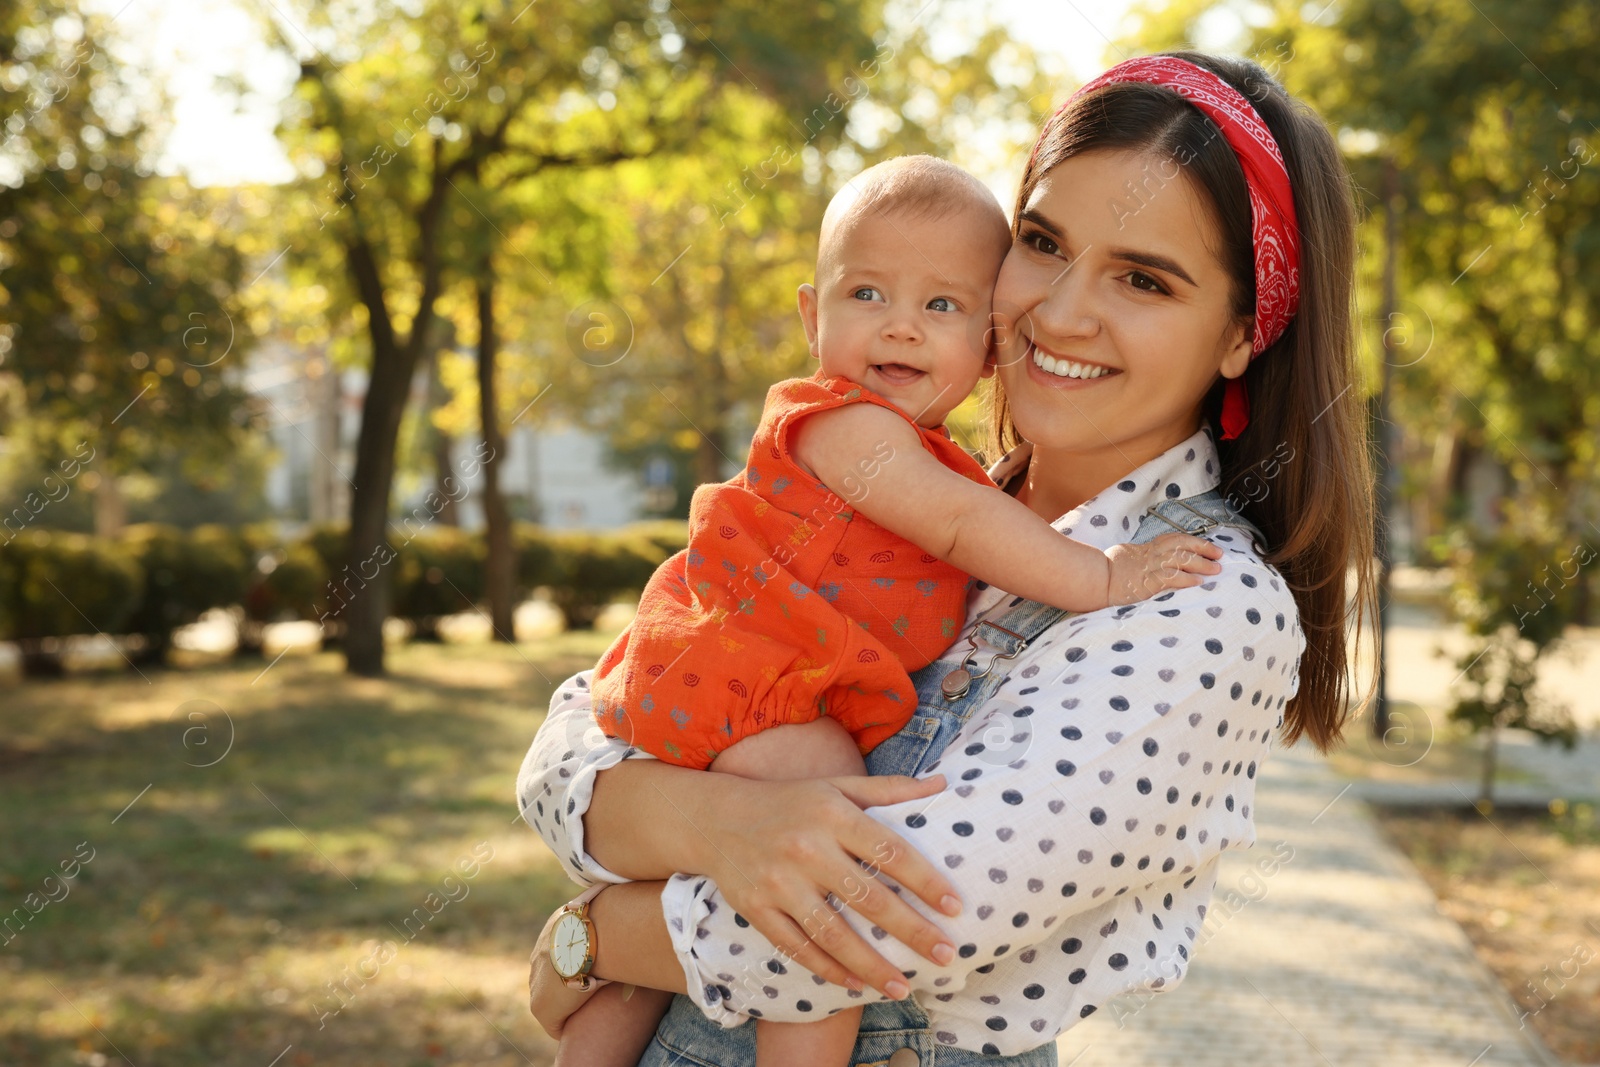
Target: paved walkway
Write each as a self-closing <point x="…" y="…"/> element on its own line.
<point x="1339" y="959"/>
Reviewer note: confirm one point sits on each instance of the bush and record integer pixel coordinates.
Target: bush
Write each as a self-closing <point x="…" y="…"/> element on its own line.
<point x="591" y="570"/>
<point x="667" y="535"/>
<point x="438" y="572"/>
<point x="286" y="584"/>
<point x="56" y="584"/>
<point x="536" y="556"/>
<point x="328" y="541"/>
<point x="156" y="578"/>
<point x="185" y="574"/>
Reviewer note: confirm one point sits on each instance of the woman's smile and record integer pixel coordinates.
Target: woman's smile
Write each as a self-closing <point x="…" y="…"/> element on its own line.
<point x="1062" y="372"/>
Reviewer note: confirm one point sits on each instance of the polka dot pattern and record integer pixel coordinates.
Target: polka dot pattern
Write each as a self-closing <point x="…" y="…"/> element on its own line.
<point x="1087" y="856"/>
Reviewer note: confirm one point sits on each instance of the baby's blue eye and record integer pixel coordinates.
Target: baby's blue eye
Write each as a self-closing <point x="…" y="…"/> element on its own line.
<point x="871" y="293"/>
<point x="941" y="303"/>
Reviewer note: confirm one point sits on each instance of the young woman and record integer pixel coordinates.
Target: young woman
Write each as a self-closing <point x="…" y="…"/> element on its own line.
<point x="1186" y="226"/>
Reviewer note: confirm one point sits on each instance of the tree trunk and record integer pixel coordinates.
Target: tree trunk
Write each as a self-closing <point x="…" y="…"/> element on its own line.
<point x="394" y="363"/>
<point x="499" y="568"/>
<point x="365" y="578"/>
<point x="1486" y="785"/>
<point x="110" y="509"/>
<point x="443" y="465"/>
<point x="707" y="460"/>
<point x="369" y="550"/>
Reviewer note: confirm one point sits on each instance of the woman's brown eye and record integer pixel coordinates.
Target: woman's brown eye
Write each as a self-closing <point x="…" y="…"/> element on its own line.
<point x="1044" y="244"/>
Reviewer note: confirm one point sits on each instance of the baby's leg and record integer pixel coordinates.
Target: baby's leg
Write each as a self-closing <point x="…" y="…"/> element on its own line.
<point x="610" y="1032"/>
<point x="825" y="1043"/>
<point x="819" y="749"/>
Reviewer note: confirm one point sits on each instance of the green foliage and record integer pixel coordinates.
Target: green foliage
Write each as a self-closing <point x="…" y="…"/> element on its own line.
<point x="1575" y="823"/>
<point x="536" y="556"/>
<point x="438" y="572"/>
<point x="676" y="340"/>
<point x="1514" y="591"/>
<point x="116" y="285"/>
<point x="667" y="535"/>
<point x="56" y="584"/>
<point x="157" y="578"/>
<point x="185" y="574"/>
<point x="286" y="584"/>
<point x="328" y="541"/>
<point x="592" y="570"/>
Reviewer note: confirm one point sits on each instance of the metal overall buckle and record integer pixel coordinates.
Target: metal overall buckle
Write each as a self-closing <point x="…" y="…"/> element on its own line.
<point x="1206" y="521"/>
<point x="958" y="682"/>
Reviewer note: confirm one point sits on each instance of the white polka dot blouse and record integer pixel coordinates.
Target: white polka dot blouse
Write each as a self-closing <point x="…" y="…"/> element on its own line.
<point x="1088" y="805"/>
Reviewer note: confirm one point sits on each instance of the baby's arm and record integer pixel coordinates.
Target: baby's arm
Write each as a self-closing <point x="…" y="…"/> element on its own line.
<point x="979" y="529"/>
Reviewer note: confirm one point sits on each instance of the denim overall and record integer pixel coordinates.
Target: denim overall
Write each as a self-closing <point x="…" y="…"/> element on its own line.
<point x="896" y="1033"/>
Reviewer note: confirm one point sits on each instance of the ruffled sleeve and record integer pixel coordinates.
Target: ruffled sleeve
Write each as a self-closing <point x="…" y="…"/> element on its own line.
<point x="558" y="773"/>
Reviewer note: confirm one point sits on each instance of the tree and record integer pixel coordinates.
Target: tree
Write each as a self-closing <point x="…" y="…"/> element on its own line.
<point x="695" y="317"/>
<point x="1512" y="630"/>
<point x="528" y="89"/>
<point x="121" y="328"/>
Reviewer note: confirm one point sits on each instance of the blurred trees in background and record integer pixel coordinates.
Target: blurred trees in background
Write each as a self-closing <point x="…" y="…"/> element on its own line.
<point x="591" y="211"/>
<point x="119" y="340"/>
<point x="1472" y="133"/>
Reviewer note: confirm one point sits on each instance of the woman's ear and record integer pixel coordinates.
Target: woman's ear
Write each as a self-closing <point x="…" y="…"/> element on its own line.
<point x="1239" y="343"/>
<point x="808" y="317"/>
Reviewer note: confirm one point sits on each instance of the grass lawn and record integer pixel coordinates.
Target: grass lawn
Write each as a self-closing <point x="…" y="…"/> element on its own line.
<point x="291" y="868"/>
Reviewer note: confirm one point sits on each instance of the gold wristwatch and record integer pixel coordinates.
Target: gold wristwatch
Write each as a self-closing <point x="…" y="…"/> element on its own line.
<point x="574" y="942"/>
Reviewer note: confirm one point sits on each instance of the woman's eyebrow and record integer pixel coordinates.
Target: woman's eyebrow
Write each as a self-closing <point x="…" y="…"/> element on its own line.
<point x="1033" y="216"/>
<point x="1154" y="262"/>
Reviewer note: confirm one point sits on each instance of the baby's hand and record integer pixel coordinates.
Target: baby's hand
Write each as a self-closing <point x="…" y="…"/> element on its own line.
<point x="1171" y="561"/>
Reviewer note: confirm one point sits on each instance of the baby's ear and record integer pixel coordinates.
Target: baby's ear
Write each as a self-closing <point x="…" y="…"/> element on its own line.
<point x="989" y="353"/>
<point x="808" y="316"/>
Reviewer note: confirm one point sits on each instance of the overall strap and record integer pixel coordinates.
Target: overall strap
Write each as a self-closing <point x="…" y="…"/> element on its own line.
<point x="1023" y="620"/>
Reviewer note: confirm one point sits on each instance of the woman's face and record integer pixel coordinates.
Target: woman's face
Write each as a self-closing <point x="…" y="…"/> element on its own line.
<point x="1113" y="312"/>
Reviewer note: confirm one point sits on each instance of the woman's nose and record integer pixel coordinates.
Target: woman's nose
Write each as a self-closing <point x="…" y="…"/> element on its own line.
<point x="1068" y="308"/>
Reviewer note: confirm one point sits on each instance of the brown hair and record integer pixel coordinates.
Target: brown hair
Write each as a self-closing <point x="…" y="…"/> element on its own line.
<point x="1300" y="471"/>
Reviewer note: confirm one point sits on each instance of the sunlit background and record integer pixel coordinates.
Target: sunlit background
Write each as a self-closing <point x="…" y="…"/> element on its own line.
<point x="358" y="361"/>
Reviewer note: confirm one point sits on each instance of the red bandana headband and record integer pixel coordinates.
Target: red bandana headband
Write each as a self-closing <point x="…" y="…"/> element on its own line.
<point x="1275" y="233"/>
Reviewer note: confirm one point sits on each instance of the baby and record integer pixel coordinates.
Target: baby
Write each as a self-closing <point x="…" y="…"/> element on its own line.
<point x="778" y="644"/>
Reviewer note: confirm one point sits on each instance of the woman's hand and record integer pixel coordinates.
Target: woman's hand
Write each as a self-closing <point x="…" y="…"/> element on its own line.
<point x="549" y="998"/>
<point x="796" y="842"/>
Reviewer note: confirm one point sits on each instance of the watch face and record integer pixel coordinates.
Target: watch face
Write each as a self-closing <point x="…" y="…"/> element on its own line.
<point x="569" y="945"/>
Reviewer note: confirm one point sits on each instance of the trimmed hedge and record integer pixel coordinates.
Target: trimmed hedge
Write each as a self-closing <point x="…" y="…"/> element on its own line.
<point x="185" y="573"/>
<point x="588" y="571"/>
<point x="154" y="579"/>
<point x="55" y="584"/>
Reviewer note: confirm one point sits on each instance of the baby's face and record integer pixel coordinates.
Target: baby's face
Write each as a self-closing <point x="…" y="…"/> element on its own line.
<point x="902" y="305"/>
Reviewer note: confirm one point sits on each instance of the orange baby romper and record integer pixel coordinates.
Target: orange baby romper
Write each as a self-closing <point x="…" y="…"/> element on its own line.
<point x="786" y="605"/>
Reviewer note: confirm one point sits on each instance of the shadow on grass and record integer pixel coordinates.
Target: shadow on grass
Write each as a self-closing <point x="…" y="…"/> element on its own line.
<point x="344" y="812"/>
<point x="393" y="1024"/>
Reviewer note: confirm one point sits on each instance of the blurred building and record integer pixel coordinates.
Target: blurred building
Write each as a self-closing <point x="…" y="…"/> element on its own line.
<point x="553" y="475"/>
